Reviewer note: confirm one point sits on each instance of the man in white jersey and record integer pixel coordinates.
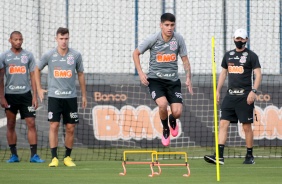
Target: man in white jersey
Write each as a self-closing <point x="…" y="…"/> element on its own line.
<point x="18" y="66"/>
<point x="162" y="79"/>
<point x="62" y="63"/>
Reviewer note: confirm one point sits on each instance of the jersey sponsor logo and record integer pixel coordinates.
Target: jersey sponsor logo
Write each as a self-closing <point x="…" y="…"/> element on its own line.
<point x="162" y="58"/>
<point x="236" y="57"/>
<point x="24" y="59"/>
<point x="58" y="92"/>
<point x="245" y="54"/>
<point x="73" y="115"/>
<point x="12" y="87"/>
<point x="16" y="58"/>
<point x="166" y="45"/>
<point x="231" y="53"/>
<point x="70" y="60"/>
<point x="17" y="69"/>
<point x="62" y="73"/>
<point x="236" y="91"/>
<point x="173" y="45"/>
<point x="236" y="69"/>
<point x="9" y="60"/>
<point x="243" y="59"/>
<point x="62" y="60"/>
<point x="167" y="75"/>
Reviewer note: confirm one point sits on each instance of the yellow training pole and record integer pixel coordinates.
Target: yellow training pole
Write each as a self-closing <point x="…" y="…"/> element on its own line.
<point x="215" y="110"/>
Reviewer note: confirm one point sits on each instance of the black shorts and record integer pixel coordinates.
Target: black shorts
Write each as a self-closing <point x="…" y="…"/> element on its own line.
<point x="22" y="103"/>
<point x="234" y="108"/>
<point x="67" y="107"/>
<point x="170" y="89"/>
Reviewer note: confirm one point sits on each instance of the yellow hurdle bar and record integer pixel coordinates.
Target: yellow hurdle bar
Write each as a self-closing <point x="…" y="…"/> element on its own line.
<point x="157" y="163"/>
<point x="136" y="152"/>
<point x="137" y="163"/>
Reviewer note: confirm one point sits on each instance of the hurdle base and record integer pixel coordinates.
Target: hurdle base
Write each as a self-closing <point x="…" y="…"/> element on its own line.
<point x="139" y="163"/>
<point x="159" y="164"/>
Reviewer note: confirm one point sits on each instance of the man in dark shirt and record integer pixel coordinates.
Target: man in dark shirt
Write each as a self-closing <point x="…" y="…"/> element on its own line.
<point x="244" y="77"/>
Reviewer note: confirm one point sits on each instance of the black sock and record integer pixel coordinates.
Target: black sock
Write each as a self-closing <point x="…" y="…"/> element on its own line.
<point x="13" y="149"/>
<point x="54" y="152"/>
<point x="33" y="149"/>
<point x="68" y="152"/>
<point x="165" y="123"/>
<point x="172" y="121"/>
<point x="250" y="151"/>
<point x="221" y="150"/>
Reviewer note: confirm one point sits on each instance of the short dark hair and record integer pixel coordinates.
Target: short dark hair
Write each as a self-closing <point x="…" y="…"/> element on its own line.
<point x="167" y="17"/>
<point x="62" y="31"/>
<point x="15" y="32"/>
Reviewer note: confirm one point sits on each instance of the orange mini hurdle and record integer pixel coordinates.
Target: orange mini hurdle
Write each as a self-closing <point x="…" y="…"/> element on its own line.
<point x="139" y="163"/>
<point x="154" y="161"/>
<point x="157" y="163"/>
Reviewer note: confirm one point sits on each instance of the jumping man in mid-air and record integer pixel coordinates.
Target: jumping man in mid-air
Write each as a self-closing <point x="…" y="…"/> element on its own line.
<point x="162" y="79"/>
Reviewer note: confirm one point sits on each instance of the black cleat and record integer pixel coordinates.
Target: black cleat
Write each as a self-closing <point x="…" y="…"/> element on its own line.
<point x="249" y="159"/>
<point x="211" y="159"/>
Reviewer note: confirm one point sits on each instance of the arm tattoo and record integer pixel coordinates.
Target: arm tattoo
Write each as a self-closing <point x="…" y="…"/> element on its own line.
<point x="187" y="68"/>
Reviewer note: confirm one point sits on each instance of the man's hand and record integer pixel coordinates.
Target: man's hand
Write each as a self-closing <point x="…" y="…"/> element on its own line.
<point x="41" y="92"/>
<point x="189" y="86"/>
<point x="217" y="97"/>
<point x="143" y="78"/>
<point x="84" y="102"/>
<point x="4" y="103"/>
<point x="251" y="98"/>
<point x="34" y="102"/>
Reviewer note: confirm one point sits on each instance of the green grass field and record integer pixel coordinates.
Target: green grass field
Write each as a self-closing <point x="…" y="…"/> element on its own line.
<point x="263" y="172"/>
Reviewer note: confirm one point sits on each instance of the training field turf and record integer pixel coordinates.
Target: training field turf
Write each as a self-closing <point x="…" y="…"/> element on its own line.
<point x="263" y="172"/>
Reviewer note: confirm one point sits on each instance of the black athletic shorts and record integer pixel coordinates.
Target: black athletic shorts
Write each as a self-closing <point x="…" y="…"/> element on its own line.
<point x="162" y="87"/>
<point x="67" y="107"/>
<point x="22" y="103"/>
<point x="235" y="107"/>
